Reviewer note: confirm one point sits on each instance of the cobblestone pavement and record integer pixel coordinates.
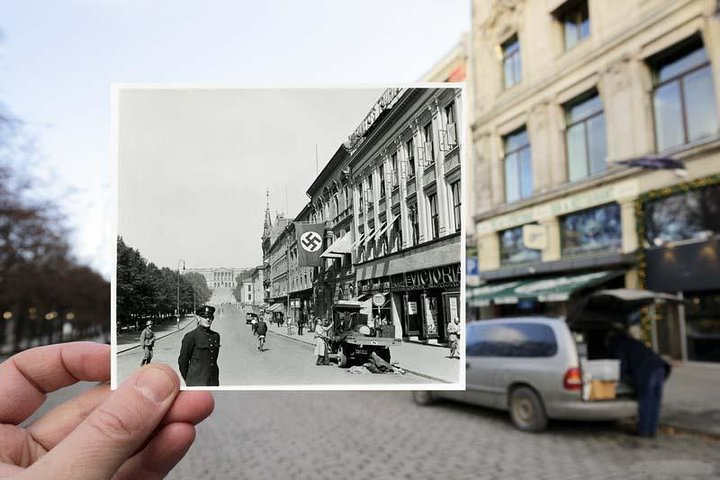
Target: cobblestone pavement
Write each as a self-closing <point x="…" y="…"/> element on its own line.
<point x="284" y="362"/>
<point x="383" y="435"/>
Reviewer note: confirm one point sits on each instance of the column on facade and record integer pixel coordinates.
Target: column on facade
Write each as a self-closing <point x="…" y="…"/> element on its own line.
<point x="626" y="90"/>
<point x="488" y="251"/>
<point x="438" y="122"/>
<point x="538" y="126"/>
<point x="422" y="209"/>
<point x="711" y="40"/>
<point x="552" y="250"/>
<point x="402" y="191"/>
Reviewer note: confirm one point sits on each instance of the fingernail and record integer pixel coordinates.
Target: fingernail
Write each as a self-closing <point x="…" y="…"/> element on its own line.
<point x="155" y="384"/>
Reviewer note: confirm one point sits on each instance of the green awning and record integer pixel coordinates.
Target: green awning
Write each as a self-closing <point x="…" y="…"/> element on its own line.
<point x="482" y="296"/>
<point x="554" y="289"/>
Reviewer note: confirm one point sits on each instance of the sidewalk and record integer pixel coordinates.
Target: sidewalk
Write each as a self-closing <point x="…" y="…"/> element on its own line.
<point x="690" y="399"/>
<point x="430" y="362"/>
<point x="129" y="340"/>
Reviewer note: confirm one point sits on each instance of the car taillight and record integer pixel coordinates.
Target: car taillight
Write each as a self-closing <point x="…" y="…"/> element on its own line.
<point x="573" y="379"/>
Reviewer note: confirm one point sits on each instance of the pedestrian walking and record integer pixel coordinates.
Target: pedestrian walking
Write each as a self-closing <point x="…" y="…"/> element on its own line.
<point x="301" y="324"/>
<point x="199" y="352"/>
<point x="321" y="350"/>
<point x="147" y="340"/>
<point x="645" y="371"/>
<point x="453" y="330"/>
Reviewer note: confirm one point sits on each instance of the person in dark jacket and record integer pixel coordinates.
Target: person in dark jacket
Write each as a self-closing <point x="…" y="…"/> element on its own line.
<point x="147" y="341"/>
<point x="199" y="352"/>
<point x="646" y="372"/>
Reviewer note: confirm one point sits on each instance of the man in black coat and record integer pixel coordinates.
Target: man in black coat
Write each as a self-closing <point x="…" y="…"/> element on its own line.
<point x="646" y="372"/>
<point x="199" y="352"/>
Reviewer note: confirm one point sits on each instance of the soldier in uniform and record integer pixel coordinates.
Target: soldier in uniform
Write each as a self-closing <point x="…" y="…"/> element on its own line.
<point x="147" y="340"/>
<point x="199" y="352"/>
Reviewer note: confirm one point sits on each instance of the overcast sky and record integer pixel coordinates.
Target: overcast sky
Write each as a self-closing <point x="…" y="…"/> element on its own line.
<point x="194" y="165"/>
<point x="58" y="60"/>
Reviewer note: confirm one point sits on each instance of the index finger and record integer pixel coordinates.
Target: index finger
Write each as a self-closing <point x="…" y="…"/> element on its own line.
<point x="25" y="378"/>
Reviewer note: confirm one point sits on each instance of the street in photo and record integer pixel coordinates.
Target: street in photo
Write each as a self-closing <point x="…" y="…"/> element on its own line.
<point x="286" y="238"/>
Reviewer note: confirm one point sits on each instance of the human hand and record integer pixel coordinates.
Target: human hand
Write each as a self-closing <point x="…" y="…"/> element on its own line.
<point x="141" y="430"/>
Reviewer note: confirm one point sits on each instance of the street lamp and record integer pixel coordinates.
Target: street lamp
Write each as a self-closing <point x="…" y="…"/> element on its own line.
<point x="178" y="291"/>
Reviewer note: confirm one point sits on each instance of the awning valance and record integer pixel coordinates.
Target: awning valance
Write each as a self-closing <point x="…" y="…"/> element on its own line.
<point x="554" y="289"/>
<point x="340" y="247"/>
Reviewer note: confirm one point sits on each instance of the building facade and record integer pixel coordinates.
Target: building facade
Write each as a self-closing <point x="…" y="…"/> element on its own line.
<point x="219" y="277"/>
<point x="564" y="92"/>
<point x="331" y="202"/>
<point x="405" y="179"/>
<point x="300" y="278"/>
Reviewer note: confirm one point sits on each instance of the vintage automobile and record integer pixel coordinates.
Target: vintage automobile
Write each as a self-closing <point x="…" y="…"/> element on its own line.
<point x="249" y="317"/>
<point x="352" y="340"/>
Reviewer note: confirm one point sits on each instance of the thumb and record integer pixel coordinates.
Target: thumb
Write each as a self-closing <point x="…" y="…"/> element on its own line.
<point x="115" y="430"/>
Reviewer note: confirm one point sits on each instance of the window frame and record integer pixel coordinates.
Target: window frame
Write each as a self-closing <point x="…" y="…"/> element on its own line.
<point x="666" y="57"/>
<point x="410" y="157"/>
<point x="509" y="55"/>
<point x="457" y="207"/>
<point x="516" y="151"/>
<point x="579" y="100"/>
<point x="434" y="212"/>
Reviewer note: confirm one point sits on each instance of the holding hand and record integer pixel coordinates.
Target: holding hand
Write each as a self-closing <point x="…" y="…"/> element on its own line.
<point x="141" y="430"/>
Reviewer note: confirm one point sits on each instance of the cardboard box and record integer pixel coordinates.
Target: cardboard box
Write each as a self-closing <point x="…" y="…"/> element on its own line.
<point x="602" y="390"/>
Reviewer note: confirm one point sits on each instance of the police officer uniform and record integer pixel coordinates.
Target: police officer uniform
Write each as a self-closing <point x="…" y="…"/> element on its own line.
<point x="199" y="353"/>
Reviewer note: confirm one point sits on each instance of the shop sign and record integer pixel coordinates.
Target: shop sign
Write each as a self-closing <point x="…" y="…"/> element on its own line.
<point x="618" y="192"/>
<point x="383" y="103"/>
<point x="378" y="299"/>
<point x="446" y="276"/>
<point x="535" y="236"/>
<point x="412" y="308"/>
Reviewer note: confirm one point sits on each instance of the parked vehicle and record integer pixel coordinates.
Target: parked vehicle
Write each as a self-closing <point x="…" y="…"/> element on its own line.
<point x="538" y="368"/>
<point x="352" y="340"/>
<point x="249" y="317"/>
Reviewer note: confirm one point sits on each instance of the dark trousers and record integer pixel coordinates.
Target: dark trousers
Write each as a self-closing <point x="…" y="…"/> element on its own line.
<point x="300" y="328"/>
<point x="649" y="400"/>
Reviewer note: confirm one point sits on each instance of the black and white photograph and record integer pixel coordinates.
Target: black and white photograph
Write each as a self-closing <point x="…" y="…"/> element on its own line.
<point x="290" y="238"/>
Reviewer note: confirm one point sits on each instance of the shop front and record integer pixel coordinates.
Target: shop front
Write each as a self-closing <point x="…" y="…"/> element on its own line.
<point x="680" y="229"/>
<point x="420" y="302"/>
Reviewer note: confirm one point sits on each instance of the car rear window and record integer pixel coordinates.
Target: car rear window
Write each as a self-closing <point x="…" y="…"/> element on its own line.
<point x="511" y="340"/>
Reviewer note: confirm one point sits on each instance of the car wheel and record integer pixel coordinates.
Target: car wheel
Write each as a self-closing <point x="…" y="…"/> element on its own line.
<point x="526" y="410"/>
<point x="423" y="397"/>
<point x="342" y="357"/>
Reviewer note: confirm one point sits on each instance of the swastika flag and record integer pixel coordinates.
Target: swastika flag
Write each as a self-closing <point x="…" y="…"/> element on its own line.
<point x="310" y="243"/>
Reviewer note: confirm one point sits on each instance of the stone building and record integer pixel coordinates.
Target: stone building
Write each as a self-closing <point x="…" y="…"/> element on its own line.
<point x="564" y="92"/>
<point x="406" y="204"/>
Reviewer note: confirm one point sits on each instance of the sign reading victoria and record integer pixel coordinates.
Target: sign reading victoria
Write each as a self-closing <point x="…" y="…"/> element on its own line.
<point x="447" y="276"/>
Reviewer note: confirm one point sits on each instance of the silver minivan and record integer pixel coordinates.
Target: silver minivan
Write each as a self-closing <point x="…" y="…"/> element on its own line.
<point x="531" y="367"/>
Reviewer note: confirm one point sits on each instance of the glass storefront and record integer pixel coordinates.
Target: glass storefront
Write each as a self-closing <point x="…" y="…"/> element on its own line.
<point x="590" y="231"/>
<point x="513" y="250"/>
<point x="694" y="214"/>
